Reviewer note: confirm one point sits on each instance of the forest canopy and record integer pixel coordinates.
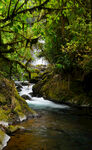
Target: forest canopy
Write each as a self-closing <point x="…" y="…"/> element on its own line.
<point x="64" y="25"/>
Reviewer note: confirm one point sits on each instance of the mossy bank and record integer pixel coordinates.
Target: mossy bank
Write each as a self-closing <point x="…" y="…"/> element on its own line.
<point x="13" y="109"/>
<point x="59" y="88"/>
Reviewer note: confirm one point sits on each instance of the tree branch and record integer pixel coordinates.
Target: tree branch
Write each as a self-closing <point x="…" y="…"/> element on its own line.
<point x="21" y="5"/>
<point x="15" y="61"/>
<point x="15" y="6"/>
<point x="7" y="51"/>
<point x="29" y="60"/>
<point x="12" y="43"/>
<point x="39" y="7"/>
<point x="13" y="32"/>
<point x="9" y="7"/>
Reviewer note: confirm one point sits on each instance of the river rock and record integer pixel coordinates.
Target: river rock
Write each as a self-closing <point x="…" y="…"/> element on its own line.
<point x="19" y="87"/>
<point x="4" y="138"/>
<point x="26" y="97"/>
<point x="26" y="83"/>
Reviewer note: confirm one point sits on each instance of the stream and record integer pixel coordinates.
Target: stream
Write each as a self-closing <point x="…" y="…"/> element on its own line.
<point x="58" y="127"/>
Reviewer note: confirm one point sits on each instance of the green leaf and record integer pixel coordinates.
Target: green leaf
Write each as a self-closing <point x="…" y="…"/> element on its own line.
<point x="19" y="27"/>
<point x="16" y="30"/>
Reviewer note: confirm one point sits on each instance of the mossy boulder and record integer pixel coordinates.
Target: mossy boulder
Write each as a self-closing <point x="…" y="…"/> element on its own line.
<point x="12" y="107"/>
<point x="43" y="78"/>
<point x="55" y="87"/>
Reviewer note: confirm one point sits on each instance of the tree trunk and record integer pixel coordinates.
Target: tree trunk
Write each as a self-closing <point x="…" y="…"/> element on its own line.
<point x="29" y="77"/>
<point x="68" y="81"/>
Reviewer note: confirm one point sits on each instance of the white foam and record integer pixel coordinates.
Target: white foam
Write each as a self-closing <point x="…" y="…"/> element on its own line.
<point x="26" y="90"/>
<point x="39" y="102"/>
<point x="45" y="103"/>
<point x="40" y="61"/>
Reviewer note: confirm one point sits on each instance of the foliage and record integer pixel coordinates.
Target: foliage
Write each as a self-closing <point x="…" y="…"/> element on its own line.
<point x="16" y="36"/>
<point x="64" y="25"/>
<point x="67" y="34"/>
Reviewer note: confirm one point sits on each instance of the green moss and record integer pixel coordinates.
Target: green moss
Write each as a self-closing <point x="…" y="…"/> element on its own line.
<point x="13" y="128"/>
<point x="34" y="75"/>
<point x="12" y="105"/>
<point x="2" y="99"/>
<point x="55" y="88"/>
<point x="5" y="114"/>
<point x="21" y="105"/>
<point x="2" y="134"/>
<point x="17" y="109"/>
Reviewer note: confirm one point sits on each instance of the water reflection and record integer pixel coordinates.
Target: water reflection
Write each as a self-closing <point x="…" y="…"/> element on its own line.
<point x="54" y="131"/>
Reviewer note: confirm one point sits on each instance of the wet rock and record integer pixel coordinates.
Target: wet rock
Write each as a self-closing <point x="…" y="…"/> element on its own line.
<point x="19" y="87"/>
<point x="35" y="80"/>
<point x="35" y="115"/>
<point x="22" y="118"/>
<point x="31" y="94"/>
<point x="4" y="138"/>
<point x="26" y="83"/>
<point x="26" y="97"/>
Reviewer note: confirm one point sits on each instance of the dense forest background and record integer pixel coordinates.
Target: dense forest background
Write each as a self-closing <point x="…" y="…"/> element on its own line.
<point x="64" y="25"/>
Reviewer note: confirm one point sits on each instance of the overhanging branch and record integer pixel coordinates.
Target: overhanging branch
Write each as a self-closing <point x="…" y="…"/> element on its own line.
<point x="15" y="61"/>
<point x="12" y="16"/>
<point x="7" y="51"/>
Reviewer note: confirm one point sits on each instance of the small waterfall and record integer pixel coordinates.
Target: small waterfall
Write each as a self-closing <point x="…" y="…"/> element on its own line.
<point x="39" y="102"/>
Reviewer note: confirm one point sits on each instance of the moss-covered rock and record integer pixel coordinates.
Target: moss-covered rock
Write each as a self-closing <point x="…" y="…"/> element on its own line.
<point x="43" y="78"/>
<point x="13" y="109"/>
<point x="55" y="87"/>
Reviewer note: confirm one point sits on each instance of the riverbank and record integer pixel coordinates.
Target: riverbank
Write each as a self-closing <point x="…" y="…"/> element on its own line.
<point x="58" y="88"/>
<point x="13" y="109"/>
<point x="57" y="124"/>
<point x="58" y="127"/>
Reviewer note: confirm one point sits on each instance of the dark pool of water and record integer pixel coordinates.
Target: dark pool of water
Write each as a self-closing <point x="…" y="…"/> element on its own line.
<point x="55" y="130"/>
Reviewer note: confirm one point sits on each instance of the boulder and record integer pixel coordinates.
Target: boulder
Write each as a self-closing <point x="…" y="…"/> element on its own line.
<point x="12" y="105"/>
<point x="19" y="87"/>
<point x="25" y="83"/>
<point x="26" y="97"/>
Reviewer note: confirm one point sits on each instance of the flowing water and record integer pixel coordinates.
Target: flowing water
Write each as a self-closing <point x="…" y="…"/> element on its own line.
<point x="59" y="127"/>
